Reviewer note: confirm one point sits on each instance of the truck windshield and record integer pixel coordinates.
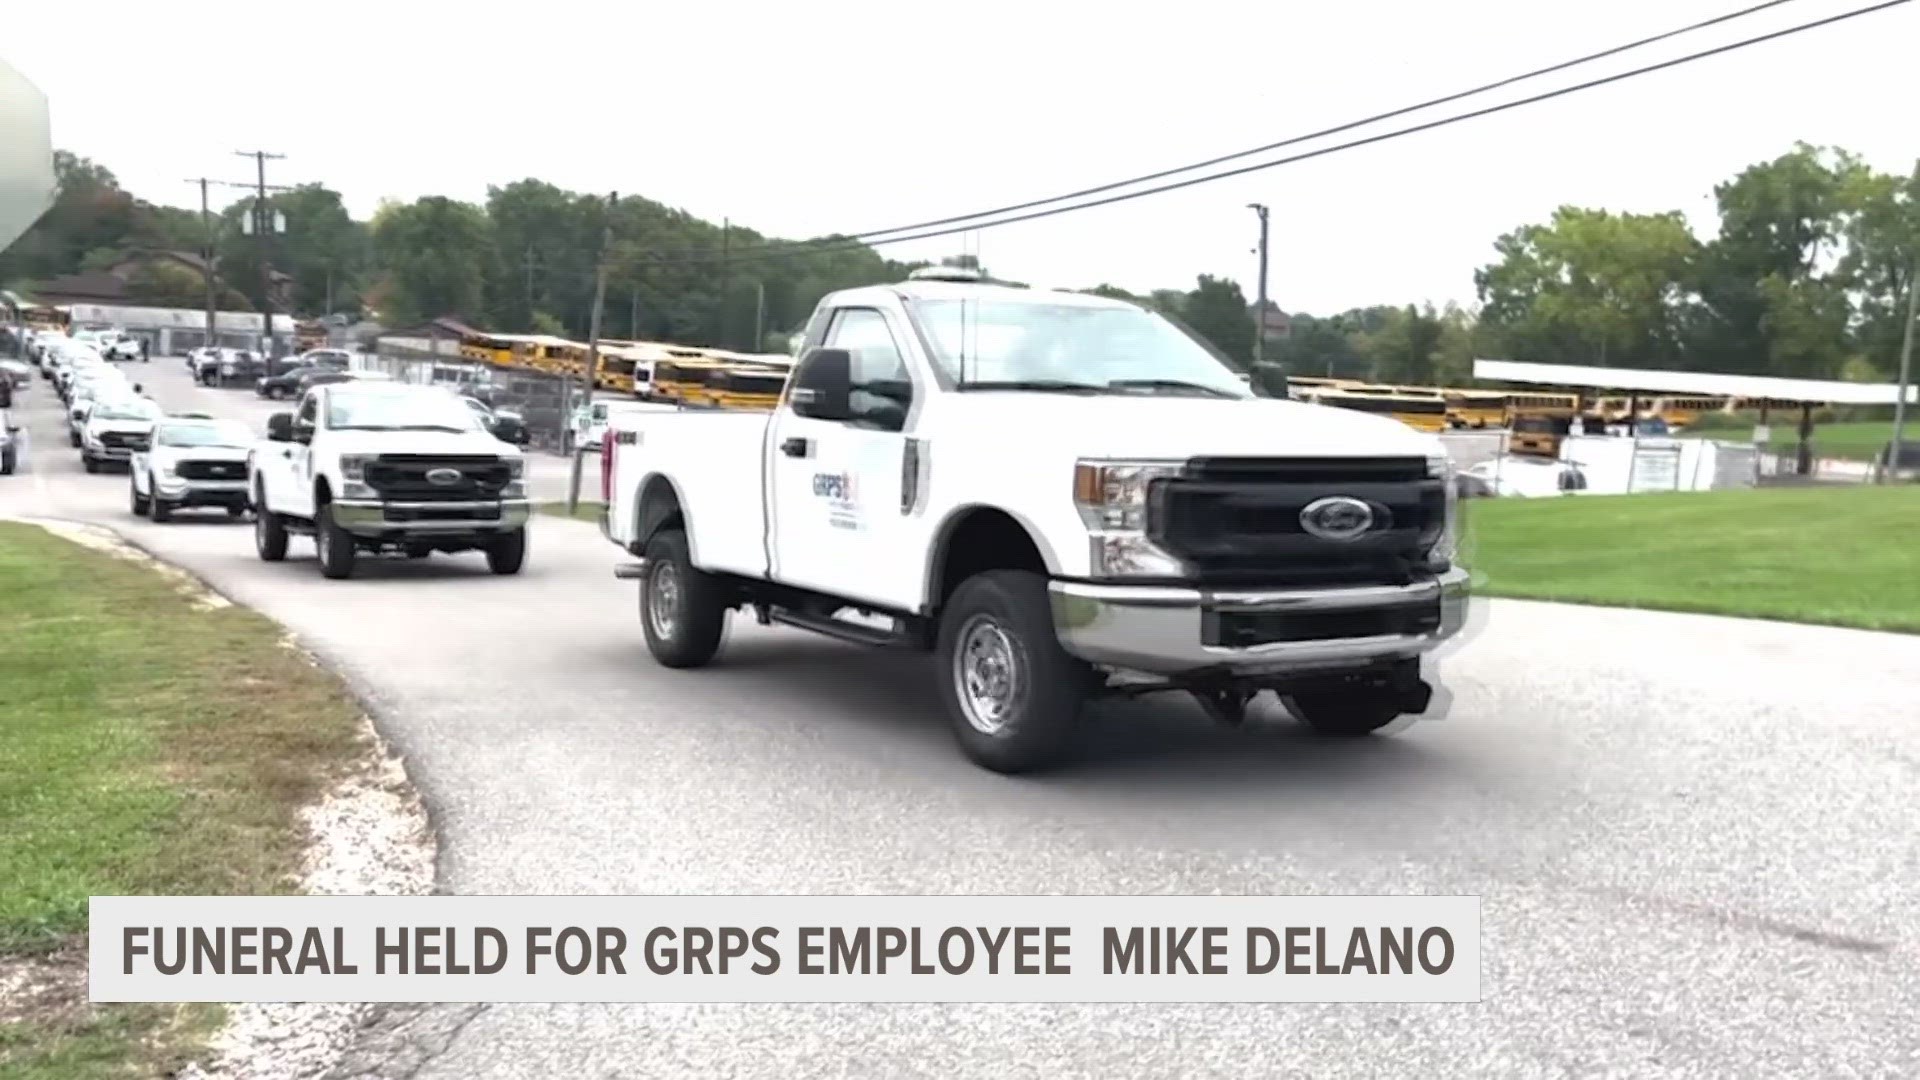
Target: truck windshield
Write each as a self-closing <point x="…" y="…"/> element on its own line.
<point x="126" y="410"/>
<point x="368" y="409"/>
<point x="218" y="433"/>
<point x="1011" y="344"/>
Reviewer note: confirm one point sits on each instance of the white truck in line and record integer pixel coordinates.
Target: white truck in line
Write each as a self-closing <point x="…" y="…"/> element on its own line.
<point x="1061" y="496"/>
<point x="387" y="467"/>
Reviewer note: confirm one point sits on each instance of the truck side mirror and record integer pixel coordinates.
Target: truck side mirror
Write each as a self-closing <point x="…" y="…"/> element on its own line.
<point x="280" y="427"/>
<point x="1270" y="379"/>
<point x="823" y="385"/>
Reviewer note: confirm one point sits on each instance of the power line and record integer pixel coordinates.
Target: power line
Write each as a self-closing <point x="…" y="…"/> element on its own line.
<point x="1322" y="133"/>
<point x="841" y="244"/>
<point x="846" y="238"/>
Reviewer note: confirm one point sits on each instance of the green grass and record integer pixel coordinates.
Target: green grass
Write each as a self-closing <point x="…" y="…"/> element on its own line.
<point x="1839" y="556"/>
<point x="155" y="745"/>
<point x="1851" y="440"/>
<point x="583" y="511"/>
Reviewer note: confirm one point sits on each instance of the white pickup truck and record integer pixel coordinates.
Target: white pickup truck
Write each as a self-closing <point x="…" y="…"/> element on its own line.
<point x="1061" y="495"/>
<point x="383" y="466"/>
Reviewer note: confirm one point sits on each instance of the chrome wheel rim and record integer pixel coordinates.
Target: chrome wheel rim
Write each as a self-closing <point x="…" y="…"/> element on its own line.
<point x="987" y="675"/>
<point x="663" y="600"/>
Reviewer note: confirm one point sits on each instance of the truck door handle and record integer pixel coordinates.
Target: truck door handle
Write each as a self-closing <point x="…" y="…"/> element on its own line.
<point x="286" y="453"/>
<point x="794" y="447"/>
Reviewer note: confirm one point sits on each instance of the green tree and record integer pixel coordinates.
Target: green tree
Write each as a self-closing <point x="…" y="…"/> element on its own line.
<point x="437" y="253"/>
<point x="1591" y="287"/>
<point x="1216" y="309"/>
<point x="1882" y="252"/>
<point x="1774" y="304"/>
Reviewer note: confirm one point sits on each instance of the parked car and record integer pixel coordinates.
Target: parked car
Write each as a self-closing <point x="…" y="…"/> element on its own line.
<point x="17" y="372"/>
<point x="9" y="446"/>
<point x="224" y="367"/>
<point x="506" y="425"/>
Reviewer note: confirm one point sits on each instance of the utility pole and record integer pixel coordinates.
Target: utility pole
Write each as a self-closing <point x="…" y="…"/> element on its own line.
<point x="264" y="223"/>
<point x="1260" y="305"/>
<point x="759" y="315"/>
<point x="633" y="316"/>
<point x="207" y="257"/>
<point x="1906" y="367"/>
<point x="529" y="265"/>
<point x="726" y="227"/>
<point x="593" y="348"/>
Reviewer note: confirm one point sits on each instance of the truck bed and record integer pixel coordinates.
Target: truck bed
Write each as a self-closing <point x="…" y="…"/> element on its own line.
<point x="716" y="458"/>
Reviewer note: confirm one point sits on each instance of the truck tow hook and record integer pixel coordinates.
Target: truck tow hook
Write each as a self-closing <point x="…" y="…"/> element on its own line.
<point x="1225" y="707"/>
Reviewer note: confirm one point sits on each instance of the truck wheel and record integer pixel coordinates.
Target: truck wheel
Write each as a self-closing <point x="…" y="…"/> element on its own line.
<point x="682" y="610"/>
<point x="335" y="545"/>
<point x="507" y="553"/>
<point x="160" y="510"/>
<point x="138" y="501"/>
<point x="269" y="533"/>
<point x="73" y="439"/>
<point x="1350" y="714"/>
<point x="1012" y="693"/>
<point x="6" y="462"/>
<point x="89" y="464"/>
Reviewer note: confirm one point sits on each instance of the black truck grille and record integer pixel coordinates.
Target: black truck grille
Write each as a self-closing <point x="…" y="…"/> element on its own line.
<point x="123" y="440"/>
<point x="1238" y="520"/>
<point x="211" y="470"/>
<point x="404" y="477"/>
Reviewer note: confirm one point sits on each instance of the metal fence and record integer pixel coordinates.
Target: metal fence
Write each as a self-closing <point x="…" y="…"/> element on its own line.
<point x="1607" y="464"/>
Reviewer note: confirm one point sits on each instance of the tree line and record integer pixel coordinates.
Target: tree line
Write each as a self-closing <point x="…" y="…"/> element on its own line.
<point x="1805" y="275"/>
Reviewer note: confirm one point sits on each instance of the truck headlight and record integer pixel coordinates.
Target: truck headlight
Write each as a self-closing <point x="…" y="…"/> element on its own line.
<point x="1446" y="550"/>
<point x="353" y="467"/>
<point x="515" y="488"/>
<point x="1112" y="497"/>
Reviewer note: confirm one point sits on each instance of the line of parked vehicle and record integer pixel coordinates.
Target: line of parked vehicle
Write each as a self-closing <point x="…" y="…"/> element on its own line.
<point x="364" y="464"/>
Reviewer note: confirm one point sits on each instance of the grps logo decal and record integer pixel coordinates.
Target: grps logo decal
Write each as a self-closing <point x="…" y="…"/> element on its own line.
<point x="835" y="487"/>
<point x="842" y="496"/>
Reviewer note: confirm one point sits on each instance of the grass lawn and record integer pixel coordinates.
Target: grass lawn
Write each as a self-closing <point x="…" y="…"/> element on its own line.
<point x="583" y="510"/>
<point x="155" y="745"/>
<point x="1846" y="556"/>
<point x="1851" y="440"/>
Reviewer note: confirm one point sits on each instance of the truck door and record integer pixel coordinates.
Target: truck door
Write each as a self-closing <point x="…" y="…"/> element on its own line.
<point x="287" y="466"/>
<point x="836" y="522"/>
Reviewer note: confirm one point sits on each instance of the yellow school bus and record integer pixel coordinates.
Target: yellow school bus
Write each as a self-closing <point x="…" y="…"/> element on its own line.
<point x="1476" y="409"/>
<point x="1422" y="412"/>
<point x="46" y="317"/>
<point x="1539" y="422"/>
<point x="1680" y="412"/>
<point x="748" y="388"/>
<point x="689" y="382"/>
<point x="495" y="350"/>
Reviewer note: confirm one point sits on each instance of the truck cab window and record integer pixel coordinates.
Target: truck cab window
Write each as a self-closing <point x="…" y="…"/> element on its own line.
<point x="882" y="388"/>
<point x="309" y="411"/>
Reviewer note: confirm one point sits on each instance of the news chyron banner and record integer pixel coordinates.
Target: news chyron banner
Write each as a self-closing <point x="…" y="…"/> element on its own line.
<point x="685" y="949"/>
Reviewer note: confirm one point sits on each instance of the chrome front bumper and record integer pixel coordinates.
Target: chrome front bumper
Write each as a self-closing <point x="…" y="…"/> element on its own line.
<point x="373" y="517"/>
<point x="1159" y="630"/>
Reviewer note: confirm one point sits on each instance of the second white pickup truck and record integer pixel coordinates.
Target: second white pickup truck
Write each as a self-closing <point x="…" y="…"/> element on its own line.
<point x="1061" y="496"/>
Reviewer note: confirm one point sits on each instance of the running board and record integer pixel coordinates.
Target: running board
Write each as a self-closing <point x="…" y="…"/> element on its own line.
<point x="838" y="628"/>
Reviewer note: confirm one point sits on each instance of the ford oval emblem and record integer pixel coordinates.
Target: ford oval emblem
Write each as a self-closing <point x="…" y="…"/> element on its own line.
<point x="1338" y="518"/>
<point x="443" y="477"/>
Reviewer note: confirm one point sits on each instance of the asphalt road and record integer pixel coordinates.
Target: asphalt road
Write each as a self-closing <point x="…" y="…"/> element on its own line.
<point x="1695" y="838"/>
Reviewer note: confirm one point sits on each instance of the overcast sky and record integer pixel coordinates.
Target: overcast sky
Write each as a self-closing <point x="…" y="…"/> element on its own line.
<point x="837" y="115"/>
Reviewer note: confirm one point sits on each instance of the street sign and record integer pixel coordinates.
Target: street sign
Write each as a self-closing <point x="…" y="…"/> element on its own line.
<point x="27" y="183"/>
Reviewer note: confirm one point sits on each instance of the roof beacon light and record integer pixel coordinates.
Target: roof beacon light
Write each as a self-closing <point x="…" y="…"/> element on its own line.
<point x="946" y="273"/>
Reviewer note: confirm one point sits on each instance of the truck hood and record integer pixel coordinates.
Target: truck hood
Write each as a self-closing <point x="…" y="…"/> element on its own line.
<point x="1168" y="427"/>
<point x="97" y="428"/>
<point x="202" y="453"/>
<point x="420" y="442"/>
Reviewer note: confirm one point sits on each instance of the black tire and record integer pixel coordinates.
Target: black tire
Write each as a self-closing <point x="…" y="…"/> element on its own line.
<point x="138" y="503"/>
<point x="507" y="553"/>
<point x="683" y="611"/>
<point x="1344" y="714"/>
<point x="997" y="634"/>
<point x="160" y="510"/>
<point x="89" y="464"/>
<point x="73" y="439"/>
<point x="335" y="545"/>
<point x="269" y="534"/>
<point x="236" y="511"/>
<point x="7" y="462"/>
